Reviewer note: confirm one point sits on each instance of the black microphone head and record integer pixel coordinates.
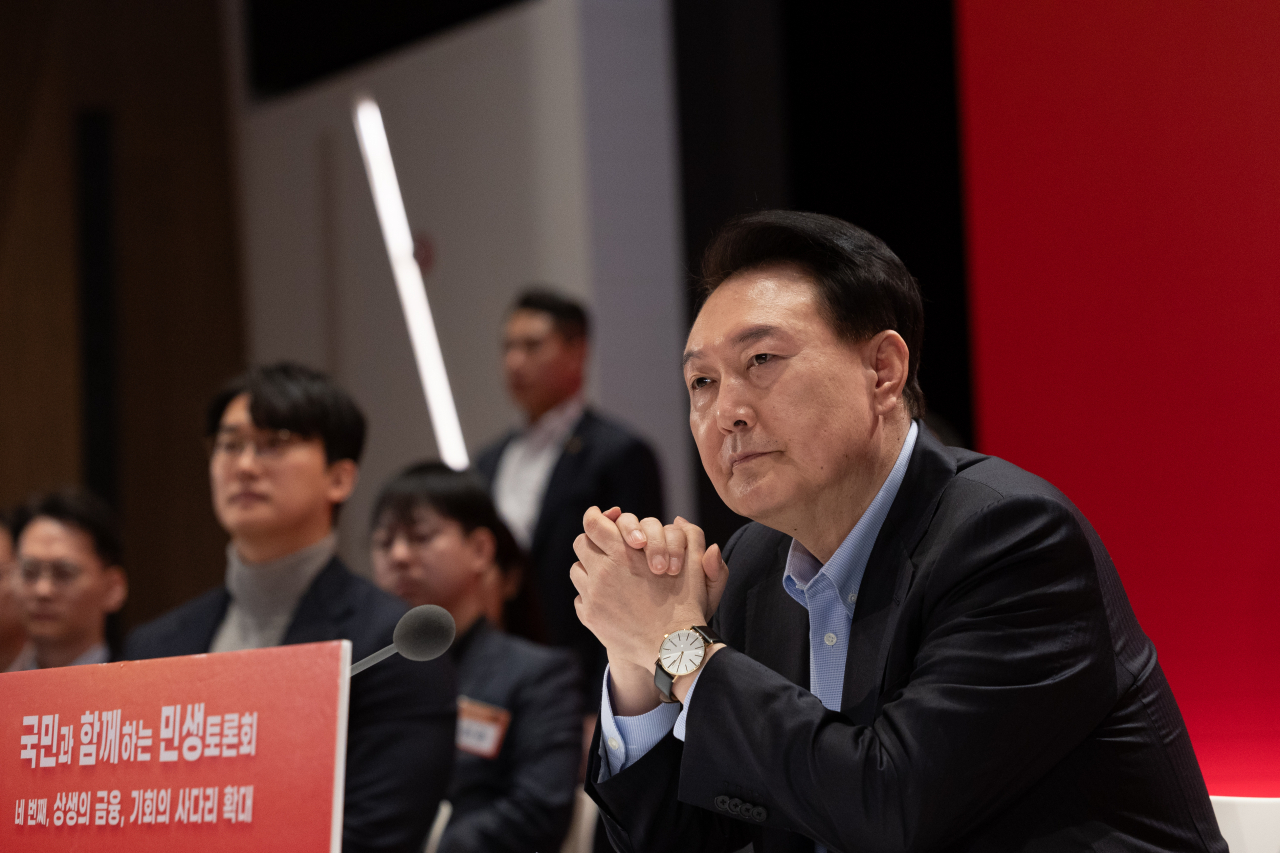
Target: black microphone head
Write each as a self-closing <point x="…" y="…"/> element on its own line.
<point x="424" y="633"/>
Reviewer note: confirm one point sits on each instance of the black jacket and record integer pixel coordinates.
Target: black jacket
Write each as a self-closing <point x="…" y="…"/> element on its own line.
<point x="400" y="730"/>
<point x="999" y="695"/>
<point x="602" y="465"/>
<point x="520" y="801"/>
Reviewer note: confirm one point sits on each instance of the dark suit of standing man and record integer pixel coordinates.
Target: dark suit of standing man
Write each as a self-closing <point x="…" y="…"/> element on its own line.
<point x="919" y="647"/>
<point x="567" y="459"/>
<point x="285" y="446"/>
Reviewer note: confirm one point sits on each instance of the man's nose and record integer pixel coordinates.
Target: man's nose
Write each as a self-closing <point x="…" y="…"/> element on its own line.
<point x="400" y="550"/>
<point x="247" y="461"/>
<point x="735" y="410"/>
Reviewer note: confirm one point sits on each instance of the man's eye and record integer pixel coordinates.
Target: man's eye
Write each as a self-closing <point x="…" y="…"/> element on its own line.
<point x="699" y="382"/>
<point x="760" y="358"/>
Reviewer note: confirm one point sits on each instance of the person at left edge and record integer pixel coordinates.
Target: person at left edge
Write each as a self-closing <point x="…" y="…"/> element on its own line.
<point x="69" y="582"/>
<point x="285" y="445"/>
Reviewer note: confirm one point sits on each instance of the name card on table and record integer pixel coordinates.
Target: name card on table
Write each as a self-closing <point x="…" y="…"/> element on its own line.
<point x="240" y="751"/>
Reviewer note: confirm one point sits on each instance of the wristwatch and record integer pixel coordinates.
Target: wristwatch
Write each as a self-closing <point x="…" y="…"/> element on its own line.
<point x="681" y="653"/>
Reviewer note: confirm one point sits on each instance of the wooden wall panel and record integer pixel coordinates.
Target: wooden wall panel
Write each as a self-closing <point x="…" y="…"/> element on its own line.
<point x="157" y="69"/>
<point x="39" y="346"/>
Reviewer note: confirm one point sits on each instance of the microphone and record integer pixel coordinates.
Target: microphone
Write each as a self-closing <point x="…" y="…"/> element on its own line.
<point x="424" y="633"/>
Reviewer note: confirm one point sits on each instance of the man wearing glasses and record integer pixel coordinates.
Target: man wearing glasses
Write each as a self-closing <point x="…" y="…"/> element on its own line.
<point x="285" y="444"/>
<point x="68" y="579"/>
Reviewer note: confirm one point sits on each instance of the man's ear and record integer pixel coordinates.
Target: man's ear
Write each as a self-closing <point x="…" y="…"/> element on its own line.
<point x="891" y="361"/>
<point x="117" y="589"/>
<point x="342" y="480"/>
<point x="483" y="545"/>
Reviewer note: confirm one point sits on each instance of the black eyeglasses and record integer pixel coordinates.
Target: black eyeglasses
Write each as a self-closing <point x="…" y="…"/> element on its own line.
<point x="61" y="572"/>
<point x="267" y="445"/>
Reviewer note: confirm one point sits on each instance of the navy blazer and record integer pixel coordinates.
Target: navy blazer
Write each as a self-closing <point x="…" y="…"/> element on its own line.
<point x="602" y="465"/>
<point x="520" y="801"/>
<point x="999" y="695"/>
<point x="400" y="728"/>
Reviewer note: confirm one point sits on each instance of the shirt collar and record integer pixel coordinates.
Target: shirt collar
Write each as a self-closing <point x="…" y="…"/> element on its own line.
<point x="273" y="588"/>
<point x="847" y="565"/>
<point x="26" y="659"/>
<point x="556" y="424"/>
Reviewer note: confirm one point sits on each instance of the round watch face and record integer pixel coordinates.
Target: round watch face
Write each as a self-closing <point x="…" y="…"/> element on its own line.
<point x="682" y="652"/>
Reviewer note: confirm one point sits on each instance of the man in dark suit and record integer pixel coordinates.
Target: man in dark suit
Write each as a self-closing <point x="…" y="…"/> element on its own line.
<point x="437" y="539"/>
<point x="285" y="446"/>
<point x="914" y="648"/>
<point x="566" y="459"/>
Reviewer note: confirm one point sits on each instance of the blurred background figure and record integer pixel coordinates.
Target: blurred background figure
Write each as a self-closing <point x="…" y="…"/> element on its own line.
<point x="284" y="456"/>
<point x="437" y="539"/>
<point x="69" y="581"/>
<point x="12" y="635"/>
<point x="565" y="460"/>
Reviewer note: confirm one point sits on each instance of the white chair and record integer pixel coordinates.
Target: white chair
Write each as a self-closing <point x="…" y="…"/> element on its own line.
<point x="582" y="826"/>
<point x="1249" y="824"/>
<point x="437" y="827"/>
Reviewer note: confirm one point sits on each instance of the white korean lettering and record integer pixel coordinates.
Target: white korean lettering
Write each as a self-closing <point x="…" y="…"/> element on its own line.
<point x="230" y="735"/>
<point x="244" y="804"/>
<point x="169" y="732"/>
<point x="213" y="735"/>
<point x="109" y="748"/>
<point x="49" y="740"/>
<point x="90" y="728"/>
<point x="249" y="733"/>
<point x="193" y="732"/>
<point x="29" y="740"/>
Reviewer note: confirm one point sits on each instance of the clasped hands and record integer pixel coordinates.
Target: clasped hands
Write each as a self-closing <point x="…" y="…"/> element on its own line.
<point x="637" y="580"/>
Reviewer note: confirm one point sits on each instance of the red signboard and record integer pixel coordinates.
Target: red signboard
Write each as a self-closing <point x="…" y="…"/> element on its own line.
<point x="242" y="750"/>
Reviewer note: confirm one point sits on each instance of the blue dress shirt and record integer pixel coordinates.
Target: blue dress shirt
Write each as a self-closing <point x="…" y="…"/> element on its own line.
<point x="829" y="592"/>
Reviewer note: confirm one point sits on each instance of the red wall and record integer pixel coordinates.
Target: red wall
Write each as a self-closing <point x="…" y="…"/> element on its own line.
<point x="1122" y="168"/>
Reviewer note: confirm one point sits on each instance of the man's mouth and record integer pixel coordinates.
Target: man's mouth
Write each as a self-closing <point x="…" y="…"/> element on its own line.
<point x="743" y="457"/>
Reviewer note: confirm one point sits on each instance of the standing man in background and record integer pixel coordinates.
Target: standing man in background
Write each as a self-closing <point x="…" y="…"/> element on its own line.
<point x="566" y="459"/>
<point x="285" y="446"/>
<point x="12" y="635"/>
<point x="69" y="579"/>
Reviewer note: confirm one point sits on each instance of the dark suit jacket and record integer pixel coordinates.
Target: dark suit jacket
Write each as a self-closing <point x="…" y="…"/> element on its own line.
<point x="999" y="695"/>
<point x="400" y="729"/>
<point x="602" y="465"/>
<point x="520" y="801"/>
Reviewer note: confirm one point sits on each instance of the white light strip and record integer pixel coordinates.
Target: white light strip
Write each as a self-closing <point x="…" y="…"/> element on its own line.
<point x="413" y="293"/>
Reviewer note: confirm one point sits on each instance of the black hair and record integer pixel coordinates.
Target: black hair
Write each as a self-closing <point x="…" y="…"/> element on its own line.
<point x="567" y="315"/>
<point x="290" y="396"/>
<point x="862" y="286"/>
<point x="462" y="496"/>
<point x="85" y="511"/>
<point x="459" y="495"/>
<point x="80" y="509"/>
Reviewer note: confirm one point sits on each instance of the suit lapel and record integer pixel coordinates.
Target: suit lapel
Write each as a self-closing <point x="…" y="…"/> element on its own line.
<point x="777" y="626"/>
<point x="323" y="608"/>
<point x="196" y="635"/>
<point x="569" y="468"/>
<point x="889" y="574"/>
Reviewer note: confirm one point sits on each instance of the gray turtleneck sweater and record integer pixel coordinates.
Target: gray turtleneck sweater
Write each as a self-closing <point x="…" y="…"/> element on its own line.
<point x="264" y="596"/>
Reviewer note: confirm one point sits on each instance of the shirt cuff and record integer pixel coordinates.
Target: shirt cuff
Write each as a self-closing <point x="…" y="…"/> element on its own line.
<point x="625" y="740"/>
<point x="678" y="728"/>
